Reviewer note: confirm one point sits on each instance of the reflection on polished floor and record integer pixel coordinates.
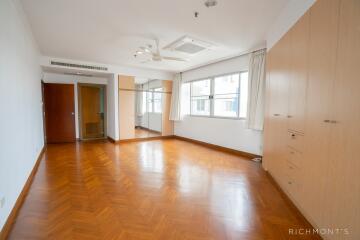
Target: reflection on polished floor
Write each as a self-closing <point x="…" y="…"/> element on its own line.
<point x="144" y="133"/>
<point x="164" y="189"/>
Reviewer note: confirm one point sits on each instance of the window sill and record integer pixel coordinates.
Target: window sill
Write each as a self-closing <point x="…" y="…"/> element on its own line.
<point x="215" y="117"/>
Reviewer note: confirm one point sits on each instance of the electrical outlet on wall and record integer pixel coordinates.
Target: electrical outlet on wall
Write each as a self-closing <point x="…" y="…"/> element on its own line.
<point x="2" y="202"/>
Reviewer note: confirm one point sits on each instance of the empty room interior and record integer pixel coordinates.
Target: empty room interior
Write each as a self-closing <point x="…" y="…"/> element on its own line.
<point x="180" y="120"/>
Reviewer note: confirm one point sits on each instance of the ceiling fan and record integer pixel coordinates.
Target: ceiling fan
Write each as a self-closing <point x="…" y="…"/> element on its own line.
<point x="155" y="54"/>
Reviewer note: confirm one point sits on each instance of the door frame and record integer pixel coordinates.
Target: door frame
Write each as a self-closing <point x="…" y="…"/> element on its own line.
<point x="79" y="85"/>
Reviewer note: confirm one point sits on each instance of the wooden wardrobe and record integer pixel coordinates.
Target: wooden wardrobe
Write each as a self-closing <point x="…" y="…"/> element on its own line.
<point x="312" y="123"/>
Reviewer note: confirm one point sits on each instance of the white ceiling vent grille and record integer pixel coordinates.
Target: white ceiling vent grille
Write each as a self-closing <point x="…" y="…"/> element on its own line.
<point x="73" y="65"/>
<point x="188" y="45"/>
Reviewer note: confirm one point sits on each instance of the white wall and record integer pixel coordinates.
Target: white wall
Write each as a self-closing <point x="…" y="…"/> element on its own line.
<point x="113" y="108"/>
<point x="21" y="129"/>
<point x="223" y="132"/>
<point x="286" y="19"/>
<point x="71" y="79"/>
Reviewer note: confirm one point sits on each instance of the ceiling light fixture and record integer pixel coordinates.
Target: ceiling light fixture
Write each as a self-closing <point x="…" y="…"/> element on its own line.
<point x="210" y="3"/>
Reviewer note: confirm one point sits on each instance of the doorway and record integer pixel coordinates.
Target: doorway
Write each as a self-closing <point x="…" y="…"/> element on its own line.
<point x="92" y="111"/>
<point x="59" y="112"/>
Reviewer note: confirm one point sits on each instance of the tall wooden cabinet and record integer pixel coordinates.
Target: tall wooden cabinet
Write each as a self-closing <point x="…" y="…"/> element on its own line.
<point x="321" y="72"/>
<point x="343" y="180"/>
<point x="311" y="147"/>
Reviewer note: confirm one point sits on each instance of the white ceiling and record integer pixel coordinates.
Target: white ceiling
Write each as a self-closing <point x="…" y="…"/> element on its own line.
<point x="110" y="31"/>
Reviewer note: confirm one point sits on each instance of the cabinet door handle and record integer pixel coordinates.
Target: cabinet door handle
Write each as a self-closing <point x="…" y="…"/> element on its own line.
<point x="326" y="121"/>
<point x="289" y="116"/>
<point x="289" y="183"/>
<point x="276" y="114"/>
<point x="333" y="121"/>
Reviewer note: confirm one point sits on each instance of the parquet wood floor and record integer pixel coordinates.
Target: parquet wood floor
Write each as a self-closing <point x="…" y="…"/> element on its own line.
<point x="165" y="189"/>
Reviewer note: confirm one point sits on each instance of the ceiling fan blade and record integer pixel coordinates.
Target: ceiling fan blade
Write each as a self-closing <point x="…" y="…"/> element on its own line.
<point x="175" y="59"/>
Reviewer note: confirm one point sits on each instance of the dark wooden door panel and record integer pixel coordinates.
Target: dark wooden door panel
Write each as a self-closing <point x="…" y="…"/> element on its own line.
<point x="59" y="112"/>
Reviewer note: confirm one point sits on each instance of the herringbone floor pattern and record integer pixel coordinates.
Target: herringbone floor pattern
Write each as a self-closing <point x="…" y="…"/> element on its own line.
<point x="166" y="189"/>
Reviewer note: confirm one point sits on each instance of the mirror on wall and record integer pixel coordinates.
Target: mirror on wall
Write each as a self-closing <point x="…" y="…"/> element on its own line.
<point x="144" y="107"/>
<point x="148" y="108"/>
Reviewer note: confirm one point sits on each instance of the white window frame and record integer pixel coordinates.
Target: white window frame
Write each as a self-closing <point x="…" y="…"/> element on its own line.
<point x="211" y="96"/>
<point x="152" y="92"/>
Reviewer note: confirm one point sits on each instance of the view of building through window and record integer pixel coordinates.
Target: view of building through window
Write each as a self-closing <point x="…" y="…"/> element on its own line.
<point x="153" y="100"/>
<point x="221" y="96"/>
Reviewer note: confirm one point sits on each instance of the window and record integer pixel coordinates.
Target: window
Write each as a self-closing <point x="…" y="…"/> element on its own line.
<point x="157" y="100"/>
<point x="154" y="100"/>
<point x="221" y="96"/>
<point x="226" y="95"/>
<point x="200" y="97"/>
<point x="149" y="99"/>
<point x="143" y="107"/>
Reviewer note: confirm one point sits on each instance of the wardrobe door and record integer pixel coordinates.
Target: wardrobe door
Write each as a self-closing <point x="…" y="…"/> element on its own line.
<point x="298" y="83"/>
<point x="343" y="192"/>
<point x="273" y="113"/>
<point x="268" y="128"/>
<point x="322" y="59"/>
<point x="280" y="78"/>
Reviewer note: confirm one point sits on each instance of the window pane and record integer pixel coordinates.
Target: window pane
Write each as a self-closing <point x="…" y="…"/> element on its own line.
<point x="200" y="88"/>
<point x="185" y="99"/>
<point x="149" y="101"/>
<point x="157" y="106"/>
<point x="226" y="84"/>
<point x="150" y="106"/>
<point x="200" y="106"/>
<point x="143" y="110"/>
<point x="226" y="105"/>
<point x="244" y="91"/>
<point x="157" y="95"/>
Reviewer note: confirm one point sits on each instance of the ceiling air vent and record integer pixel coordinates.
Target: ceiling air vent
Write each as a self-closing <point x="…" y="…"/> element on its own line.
<point x="73" y="65"/>
<point x="188" y="45"/>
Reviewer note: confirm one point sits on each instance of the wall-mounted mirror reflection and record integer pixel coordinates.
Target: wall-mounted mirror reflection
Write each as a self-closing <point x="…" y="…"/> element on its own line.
<point x="148" y="104"/>
<point x="144" y="108"/>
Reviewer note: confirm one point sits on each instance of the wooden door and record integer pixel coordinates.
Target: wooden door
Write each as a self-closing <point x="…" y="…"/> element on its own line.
<point x="59" y="113"/>
<point x="298" y="76"/>
<point x="343" y="181"/>
<point x="92" y="109"/>
<point x="322" y="62"/>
